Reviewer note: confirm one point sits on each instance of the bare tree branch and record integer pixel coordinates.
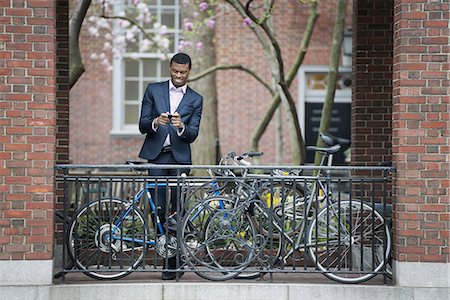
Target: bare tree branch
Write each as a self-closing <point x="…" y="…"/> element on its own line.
<point x="76" y="66"/>
<point x="276" y="100"/>
<point x="271" y="36"/>
<point x="133" y="22"/>
<point x="231" y="67"/>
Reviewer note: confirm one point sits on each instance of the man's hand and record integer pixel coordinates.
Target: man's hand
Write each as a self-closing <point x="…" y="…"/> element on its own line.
<point x="163" y="119"/>
<point x="176" y="121"/>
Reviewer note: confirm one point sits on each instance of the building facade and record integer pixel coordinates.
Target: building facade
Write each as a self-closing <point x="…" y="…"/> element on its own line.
<point x="400" y="112"/>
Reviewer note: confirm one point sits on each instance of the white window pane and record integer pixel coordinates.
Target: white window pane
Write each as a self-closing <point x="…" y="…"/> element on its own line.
<point x="150" y="67"/>
<point x="131" y="68"/>
<point x="131" y="114"/>
<point x="131" y="90"/>
<point x="133" y="46"/>
<point x="165" y="72"/>
<point x="168" y="18"/>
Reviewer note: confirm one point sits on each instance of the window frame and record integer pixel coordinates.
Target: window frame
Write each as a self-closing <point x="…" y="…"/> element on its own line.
<point x="341" y="96"/>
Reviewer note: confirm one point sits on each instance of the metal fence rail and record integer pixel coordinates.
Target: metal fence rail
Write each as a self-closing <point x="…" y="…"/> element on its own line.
<point x="243" y="222"/>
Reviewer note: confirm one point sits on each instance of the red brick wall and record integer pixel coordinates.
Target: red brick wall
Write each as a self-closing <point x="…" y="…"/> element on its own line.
<point x="421" y="136"/>
<point x="372" y="81"/>
<point x="27" y="128"/>
<point x="62" y="80"/>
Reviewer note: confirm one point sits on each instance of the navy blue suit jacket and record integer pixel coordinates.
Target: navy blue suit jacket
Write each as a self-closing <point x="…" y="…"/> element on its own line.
<point x="156" y="101"/>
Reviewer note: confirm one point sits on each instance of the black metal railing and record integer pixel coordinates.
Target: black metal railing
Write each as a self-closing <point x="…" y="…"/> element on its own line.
<point x="236" y="221"/>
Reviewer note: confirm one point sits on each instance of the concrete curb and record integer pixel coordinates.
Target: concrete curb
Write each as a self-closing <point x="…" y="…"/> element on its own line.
<point x="220" y="291"/>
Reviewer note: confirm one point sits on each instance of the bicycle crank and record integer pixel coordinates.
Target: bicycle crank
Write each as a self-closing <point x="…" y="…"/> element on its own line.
<point x="103" y="239"/>
<point x="167" y="246"/>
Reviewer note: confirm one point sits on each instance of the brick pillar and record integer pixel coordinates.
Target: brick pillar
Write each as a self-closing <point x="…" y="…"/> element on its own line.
<point x="372" y="81"/>
<point x="27" y="141"/>
<point x="420" y="142"/>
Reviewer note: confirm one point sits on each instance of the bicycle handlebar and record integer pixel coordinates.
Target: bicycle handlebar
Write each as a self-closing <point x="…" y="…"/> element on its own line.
<point x="239" y="159"/>
<point x="249" y="154"/>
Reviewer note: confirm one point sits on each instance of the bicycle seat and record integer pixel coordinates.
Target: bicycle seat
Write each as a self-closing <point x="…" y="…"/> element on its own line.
<point x="332" y="140"/>
<point x="329" y="150"/>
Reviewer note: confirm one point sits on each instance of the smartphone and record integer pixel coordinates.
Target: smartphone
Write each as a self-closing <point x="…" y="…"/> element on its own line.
<point x="169" y="116"/>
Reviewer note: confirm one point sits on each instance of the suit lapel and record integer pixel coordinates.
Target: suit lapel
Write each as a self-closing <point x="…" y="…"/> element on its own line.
<point x="184" y="101"/>
<point x="166" y="96"/>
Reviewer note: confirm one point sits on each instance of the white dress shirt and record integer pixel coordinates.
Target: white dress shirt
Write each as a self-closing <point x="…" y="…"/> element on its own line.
<point x="175" y="96"/>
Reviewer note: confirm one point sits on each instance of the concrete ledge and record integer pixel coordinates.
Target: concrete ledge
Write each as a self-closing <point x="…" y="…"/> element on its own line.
<point x="220" y="291"/>
<point x="26" y="272"/>
<point x="422" y="274"/>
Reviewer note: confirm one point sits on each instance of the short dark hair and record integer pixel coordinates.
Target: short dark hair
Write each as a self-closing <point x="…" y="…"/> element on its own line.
<point x="182" y="59"/>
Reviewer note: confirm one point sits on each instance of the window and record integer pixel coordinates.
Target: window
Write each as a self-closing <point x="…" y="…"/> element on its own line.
<point x="312" y="91"/>
<point x="133" y="71"/>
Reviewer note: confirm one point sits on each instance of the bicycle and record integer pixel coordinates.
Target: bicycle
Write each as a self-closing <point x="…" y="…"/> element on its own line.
<point x="209" y="252"/>
<point x="335" y="234"/>
<point x="108" y="238"/>
<point x="206" y="252"/>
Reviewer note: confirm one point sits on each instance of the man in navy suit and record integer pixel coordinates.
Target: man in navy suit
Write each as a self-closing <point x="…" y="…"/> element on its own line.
<point x="170" y="118"/>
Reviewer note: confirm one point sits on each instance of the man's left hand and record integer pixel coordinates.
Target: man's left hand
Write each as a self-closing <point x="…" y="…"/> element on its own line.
<point x="176" y="121"/>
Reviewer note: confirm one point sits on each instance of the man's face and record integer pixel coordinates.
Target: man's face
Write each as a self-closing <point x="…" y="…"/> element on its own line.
<point x="179" y="74"/>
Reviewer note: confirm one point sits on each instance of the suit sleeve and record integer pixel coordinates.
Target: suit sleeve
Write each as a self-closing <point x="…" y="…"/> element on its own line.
<point x="192" y="128"/>
<point x="147" y="112"/>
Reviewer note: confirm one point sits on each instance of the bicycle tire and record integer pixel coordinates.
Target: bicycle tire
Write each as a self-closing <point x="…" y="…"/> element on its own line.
<point x="89" y="235"/>
<point x="269" y="227"/>
<point x="218" y="238"/>
<point x="347" y="240"/>
<point x="287" y="202"/>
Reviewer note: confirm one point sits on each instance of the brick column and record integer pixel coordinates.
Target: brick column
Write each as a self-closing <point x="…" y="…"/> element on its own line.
<point x="27" y="141"/>
<point x="372" y="81"/>
<point x="420" y="142"/>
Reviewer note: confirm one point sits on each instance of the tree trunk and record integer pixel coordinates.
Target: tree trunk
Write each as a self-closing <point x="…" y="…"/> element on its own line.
<point x="333" y="75"/>
<point x="76" y="67"/>
<point x="206" y="149"/>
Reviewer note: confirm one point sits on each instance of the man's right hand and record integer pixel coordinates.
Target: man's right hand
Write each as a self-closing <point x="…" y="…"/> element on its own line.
<point x="163" y="119"/>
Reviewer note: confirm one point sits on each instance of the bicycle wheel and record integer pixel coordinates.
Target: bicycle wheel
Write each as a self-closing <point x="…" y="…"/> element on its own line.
<point x="107" y="238"/>
<point x="269" y="244"/>
<point x="218" y="238"/>
<point x="287" y="202"/>
<point x="349" y="241"/>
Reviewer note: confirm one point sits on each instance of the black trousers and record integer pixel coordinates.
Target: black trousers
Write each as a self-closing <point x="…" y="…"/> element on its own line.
<point x="159" y="194"/>
<point x="160" y="197"/>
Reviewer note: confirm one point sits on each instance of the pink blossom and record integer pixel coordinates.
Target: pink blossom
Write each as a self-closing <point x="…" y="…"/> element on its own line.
<point x="185" y="2"/>
<point x="183" y="45"/>
<point x="210" y="23"/>
<point x="247" y="21"/>
<point x="203" y="6"/>
<point x="200" y="45"/>
<point x="188" y="26"/>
